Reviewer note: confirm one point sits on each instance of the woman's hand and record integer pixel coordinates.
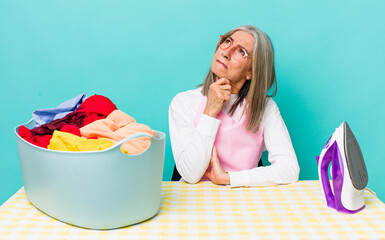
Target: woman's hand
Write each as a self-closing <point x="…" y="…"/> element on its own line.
<point x="219" y="93"/>
<point x="215" y="172"/>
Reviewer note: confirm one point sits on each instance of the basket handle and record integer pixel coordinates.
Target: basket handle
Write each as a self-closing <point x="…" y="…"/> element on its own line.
<point x="135" y="135"/>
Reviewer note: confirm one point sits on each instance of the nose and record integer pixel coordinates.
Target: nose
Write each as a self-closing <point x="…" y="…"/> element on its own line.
<point x="226" y="53"/>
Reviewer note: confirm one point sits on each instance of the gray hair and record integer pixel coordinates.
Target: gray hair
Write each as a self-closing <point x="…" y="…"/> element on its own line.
<point x="263" y="77"/>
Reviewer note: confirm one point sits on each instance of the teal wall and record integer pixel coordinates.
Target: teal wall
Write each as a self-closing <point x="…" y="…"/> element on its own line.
<point x="330" y="59"/>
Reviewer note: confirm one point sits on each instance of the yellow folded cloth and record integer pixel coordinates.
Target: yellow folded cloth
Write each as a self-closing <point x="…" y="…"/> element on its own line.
<point x="116" y="127"/>
<point x="69" y="142"/>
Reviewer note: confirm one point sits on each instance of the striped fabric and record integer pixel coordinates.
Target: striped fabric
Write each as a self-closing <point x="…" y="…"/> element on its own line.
<point x="208" y="211"/>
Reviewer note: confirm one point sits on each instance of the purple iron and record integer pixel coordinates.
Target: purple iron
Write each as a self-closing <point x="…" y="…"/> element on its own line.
<point x="348" y="171"/>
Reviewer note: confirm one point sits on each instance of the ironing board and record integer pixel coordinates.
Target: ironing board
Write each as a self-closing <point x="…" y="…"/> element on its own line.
<point x="205" y="210"/>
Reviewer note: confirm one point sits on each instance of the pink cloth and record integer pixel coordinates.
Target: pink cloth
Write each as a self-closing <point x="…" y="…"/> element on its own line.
<point x="237" y="148"/>
<point x="116" y="127"/>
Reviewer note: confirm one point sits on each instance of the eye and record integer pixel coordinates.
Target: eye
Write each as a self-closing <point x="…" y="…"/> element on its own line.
<point x="227" y="41"/>
<point x="241" y="51"/>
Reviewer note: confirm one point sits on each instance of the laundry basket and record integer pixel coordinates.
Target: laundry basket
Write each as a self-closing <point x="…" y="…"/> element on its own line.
<point x="99" y="189"/>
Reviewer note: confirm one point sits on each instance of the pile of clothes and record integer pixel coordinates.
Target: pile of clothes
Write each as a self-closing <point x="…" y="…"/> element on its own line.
<point x="85" y="124"/>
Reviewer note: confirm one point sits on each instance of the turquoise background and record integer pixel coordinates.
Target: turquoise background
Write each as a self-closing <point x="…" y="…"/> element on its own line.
<point x="330" y="59"/>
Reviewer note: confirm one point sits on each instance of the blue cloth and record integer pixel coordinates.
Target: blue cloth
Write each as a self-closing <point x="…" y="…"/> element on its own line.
<point x="43" y="116"/>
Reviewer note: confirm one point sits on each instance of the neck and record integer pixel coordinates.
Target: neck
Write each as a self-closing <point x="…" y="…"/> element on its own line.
<point x="236" y="87"/>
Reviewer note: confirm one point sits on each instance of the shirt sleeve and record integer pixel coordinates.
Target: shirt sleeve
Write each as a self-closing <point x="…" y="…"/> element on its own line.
<point x="191" y="146"/>
<point x="284" y="166"/>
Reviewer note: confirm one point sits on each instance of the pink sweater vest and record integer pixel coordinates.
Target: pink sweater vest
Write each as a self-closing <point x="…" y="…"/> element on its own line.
<point x="237" y="148"/>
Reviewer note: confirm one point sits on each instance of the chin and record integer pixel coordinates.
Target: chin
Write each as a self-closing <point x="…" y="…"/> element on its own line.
<point x="217" y="72"/>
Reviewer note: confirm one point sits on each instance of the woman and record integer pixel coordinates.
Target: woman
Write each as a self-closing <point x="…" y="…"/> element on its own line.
<point x="219" y="131"/>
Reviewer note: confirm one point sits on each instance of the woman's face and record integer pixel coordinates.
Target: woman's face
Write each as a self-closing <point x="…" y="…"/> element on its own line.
<point x="224" y="65"/>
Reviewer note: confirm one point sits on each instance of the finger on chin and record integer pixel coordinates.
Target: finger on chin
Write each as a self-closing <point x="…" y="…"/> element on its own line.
<point x="223" y="81"/>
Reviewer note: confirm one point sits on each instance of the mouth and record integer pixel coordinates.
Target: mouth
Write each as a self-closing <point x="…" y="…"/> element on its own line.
<point x="224" y="65"/>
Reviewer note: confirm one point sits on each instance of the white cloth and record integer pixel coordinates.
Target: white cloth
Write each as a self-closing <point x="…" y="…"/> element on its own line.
<point x="192" y="145"/>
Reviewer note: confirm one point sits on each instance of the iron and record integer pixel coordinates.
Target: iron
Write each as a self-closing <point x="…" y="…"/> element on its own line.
<point x="348" y="171"/>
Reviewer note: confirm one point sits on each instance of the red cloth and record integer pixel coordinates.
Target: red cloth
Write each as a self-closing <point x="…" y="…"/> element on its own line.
<point x="93" y="108"/>
<point x="41" y="141"/>
<point x="97" y="104"/>
<point x="71" y="129"/>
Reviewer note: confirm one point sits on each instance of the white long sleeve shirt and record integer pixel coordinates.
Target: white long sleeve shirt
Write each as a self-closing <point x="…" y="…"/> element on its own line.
<point x="192" y="146"/>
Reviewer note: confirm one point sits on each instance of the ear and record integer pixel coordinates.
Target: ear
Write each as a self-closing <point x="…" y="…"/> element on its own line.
<point x="249" y="74"/>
